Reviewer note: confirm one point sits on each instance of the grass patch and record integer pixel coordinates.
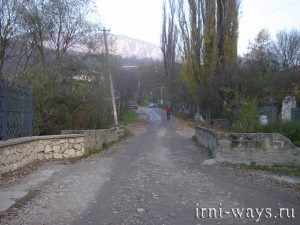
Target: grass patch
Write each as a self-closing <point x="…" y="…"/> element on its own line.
<point x="92" y="152"/>
<point x="292" y="171"/>
<point x="130" y="116"/>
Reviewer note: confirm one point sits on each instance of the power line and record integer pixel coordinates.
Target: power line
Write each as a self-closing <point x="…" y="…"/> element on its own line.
<point x="272" y="11"/>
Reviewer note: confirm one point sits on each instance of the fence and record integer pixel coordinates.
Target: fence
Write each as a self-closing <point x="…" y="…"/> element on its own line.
<point x="15" y="110"/>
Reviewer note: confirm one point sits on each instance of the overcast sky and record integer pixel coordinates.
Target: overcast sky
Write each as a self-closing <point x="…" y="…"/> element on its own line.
<point x="141" y="19"/>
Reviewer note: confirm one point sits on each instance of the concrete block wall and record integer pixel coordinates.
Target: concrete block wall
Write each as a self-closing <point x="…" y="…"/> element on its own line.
<point x="18" y="152"/>
<point x="94" y="139"/>
<point x="261" y="148"/>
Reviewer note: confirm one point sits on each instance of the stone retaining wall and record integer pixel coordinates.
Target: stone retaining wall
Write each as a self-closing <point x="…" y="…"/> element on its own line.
<point x="261" y="148"/>
<point x="18" y="152"/>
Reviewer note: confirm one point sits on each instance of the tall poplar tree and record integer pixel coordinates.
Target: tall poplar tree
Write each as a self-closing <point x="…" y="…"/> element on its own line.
<point x="169" y="41"/>
<point x="208" y="41"/>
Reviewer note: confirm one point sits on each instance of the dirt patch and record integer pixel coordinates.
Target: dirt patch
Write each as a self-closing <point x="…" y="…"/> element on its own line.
<point x="189" y="124"/>
<point x="186" y="126"/>
<point x="14" y="177"/>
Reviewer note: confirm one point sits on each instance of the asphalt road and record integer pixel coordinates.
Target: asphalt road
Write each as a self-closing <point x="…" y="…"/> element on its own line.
<point x="158" y="178"/>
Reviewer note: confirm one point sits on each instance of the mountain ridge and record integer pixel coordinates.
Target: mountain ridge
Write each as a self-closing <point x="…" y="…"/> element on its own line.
<point x="128" y="47"/>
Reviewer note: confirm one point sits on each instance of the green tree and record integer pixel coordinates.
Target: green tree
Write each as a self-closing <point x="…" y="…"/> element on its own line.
<point x="208" y="31"/>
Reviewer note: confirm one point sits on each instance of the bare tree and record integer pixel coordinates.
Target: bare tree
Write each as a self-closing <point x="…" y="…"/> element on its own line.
<point x="57" y="25"/>
<point x="55" y="28"/>
<point x="286" y="49"/>
<point x="8" y="29"/>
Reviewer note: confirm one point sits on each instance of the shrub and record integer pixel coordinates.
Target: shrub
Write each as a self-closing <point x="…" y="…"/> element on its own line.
<point x="248" y="116"/>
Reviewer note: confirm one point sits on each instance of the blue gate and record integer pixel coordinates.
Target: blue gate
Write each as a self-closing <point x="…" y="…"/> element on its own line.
<point x="15" y="110"/>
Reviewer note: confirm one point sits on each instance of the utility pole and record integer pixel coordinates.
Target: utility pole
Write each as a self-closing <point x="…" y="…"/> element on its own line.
<point x="161" y="99"/>
<point x="112" y="92"/>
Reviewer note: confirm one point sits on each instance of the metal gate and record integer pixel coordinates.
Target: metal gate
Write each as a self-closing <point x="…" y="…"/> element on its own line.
<point x="15" y="110"/>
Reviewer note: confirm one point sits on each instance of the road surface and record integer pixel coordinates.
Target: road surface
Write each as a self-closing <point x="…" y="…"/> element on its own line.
<point x="157" y="177"/>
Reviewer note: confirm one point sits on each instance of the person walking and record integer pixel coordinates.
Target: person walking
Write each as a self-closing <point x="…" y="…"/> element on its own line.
<point x="168" y="110"/>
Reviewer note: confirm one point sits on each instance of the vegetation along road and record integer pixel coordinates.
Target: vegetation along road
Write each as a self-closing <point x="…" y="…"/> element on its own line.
<point x="157" y="177"/>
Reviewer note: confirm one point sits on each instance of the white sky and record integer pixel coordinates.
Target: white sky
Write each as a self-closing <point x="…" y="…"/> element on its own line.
<point x="141" y="19"/>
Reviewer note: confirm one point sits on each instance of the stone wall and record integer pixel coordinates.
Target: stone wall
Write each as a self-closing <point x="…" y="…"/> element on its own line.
<point x="261" y="148"/>
<point x="18" y="152"/>
<point x="94" y="139"/>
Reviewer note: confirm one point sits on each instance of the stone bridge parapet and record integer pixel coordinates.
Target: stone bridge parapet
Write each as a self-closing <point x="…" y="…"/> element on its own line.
<point x="260" y="148"/>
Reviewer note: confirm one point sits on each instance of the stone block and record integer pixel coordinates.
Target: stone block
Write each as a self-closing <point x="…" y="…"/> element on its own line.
<point x="71" y="141"/>
<point x="55" y="142"/>
<point x="77" y="147"/>
<point x="64" y="147"/>
<point x="28" y="152"/>
<point x="56" y="148"/>
<point x="57" y="156"/>
<point x="39" y="147"/>
<point x="19" y="149"/>
<point x="69" y="153"/>
<point x="6" y="151"/>
<point x="3" y="159"/>
<point x="48" y="156"/>
<point x="48" y="149"/>
<point x="79" y="154"/>
<point x="40" y="156"/>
